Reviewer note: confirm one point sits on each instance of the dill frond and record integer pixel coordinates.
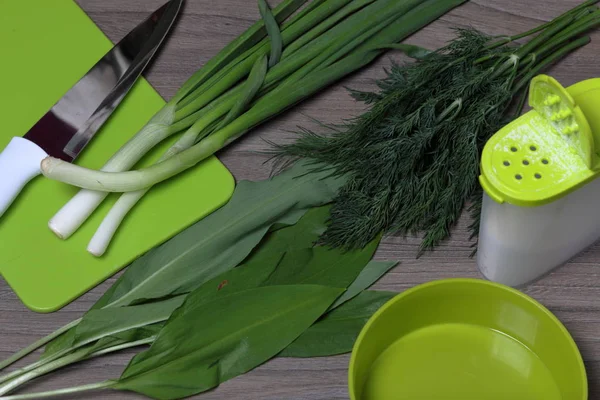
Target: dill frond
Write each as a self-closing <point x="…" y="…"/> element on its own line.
<point x="412" y="159"/>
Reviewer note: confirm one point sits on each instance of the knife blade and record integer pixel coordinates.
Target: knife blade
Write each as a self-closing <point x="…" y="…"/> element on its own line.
<point x="65" y="130"/>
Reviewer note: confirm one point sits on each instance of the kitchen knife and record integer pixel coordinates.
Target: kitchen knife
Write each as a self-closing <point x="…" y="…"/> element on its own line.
<point x="70" y="124"/>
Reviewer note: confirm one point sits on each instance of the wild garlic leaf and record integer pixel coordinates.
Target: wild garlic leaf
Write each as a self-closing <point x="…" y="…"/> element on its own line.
<point x="337" y="331"/>
<point x="222" y="339"/>
<point x="267" y="257"/>
<point x="108" y="322"/>
<point x="306" y="228"/>
<point x="247" y="276"/>
<point x="223" y="239"/>
<point x="300" y="235"/>
<point x="368" y="276"/>
<point x="291" y="267"/>
<point x="323" y="266"/>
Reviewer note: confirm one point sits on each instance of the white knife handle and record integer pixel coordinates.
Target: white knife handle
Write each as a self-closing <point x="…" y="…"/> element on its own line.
<point x="19" y="163"/>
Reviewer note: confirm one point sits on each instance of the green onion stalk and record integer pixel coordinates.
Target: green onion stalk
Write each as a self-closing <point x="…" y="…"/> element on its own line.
<point x="230" y="96"/>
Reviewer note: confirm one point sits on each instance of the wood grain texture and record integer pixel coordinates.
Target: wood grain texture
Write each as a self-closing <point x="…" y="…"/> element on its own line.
<point x="571" y="292"/>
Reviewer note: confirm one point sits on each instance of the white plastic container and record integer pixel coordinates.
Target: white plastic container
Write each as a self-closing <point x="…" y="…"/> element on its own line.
<point x="518" y="245"/>
<point x="542" y="192"/>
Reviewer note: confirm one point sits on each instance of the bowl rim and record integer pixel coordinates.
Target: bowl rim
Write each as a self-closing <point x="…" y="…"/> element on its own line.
<point x="453" y="281"/>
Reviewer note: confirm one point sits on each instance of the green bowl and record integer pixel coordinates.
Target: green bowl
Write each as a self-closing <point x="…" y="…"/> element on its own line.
<point x="465" y="339"/>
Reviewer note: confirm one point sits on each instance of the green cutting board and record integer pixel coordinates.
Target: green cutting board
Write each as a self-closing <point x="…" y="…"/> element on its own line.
<point x="45" y="47"/>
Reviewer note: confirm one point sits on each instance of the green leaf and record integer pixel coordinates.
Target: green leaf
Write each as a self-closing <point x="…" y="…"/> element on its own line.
<point x="302" y="234"/>
<point x="267" y="257"/>
<point x="222" y="339"/>
<point x="368" y="276"/>
<point x="290" y="269"/>
<point x="59" y="344"/>
<point x="110" y="321"/>
<point x="247" y="276"/>
<point x="337" y="331"/>
<point x="223" y="239"/>
<point x="273" y="32"/>
<point x="323" y="266"/>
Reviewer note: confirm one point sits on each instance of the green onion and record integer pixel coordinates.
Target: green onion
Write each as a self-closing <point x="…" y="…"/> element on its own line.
<point x="319" y="46"/>
<point x="208" y="83"/>
<point x="127" y="201"/>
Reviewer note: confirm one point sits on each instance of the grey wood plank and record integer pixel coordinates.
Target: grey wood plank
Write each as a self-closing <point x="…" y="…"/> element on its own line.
<point x="571" y="292"/>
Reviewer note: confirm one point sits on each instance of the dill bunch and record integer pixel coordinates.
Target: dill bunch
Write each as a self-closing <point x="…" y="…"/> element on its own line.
<point x="412" y="160"/>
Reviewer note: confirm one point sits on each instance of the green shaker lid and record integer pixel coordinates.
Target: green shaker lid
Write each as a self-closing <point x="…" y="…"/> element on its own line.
<point x="547" y="152"/>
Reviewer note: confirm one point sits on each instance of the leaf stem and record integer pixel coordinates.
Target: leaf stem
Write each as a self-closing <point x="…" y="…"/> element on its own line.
<point x="36" y="345"/>
<point x="521" y="103"/>
<point x="72" y="360"/>
<point x="546" y="35"/>
<point x="123" y="346"/>
<point x="569" y="32"/>
<point x="511" y="64"/>
<point x="528" y="62"/>
<point x="52" y="393"/>
<point x="44" y="369"/>
<point x="537" y="29"/>
<point x="551" y="59"/>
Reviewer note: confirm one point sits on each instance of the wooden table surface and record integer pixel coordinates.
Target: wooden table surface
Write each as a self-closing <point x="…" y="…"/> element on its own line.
<point x="571" y="292"/>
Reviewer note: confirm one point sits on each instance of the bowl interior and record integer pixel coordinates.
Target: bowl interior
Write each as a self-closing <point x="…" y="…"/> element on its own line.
<point x="465" y="339"/>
